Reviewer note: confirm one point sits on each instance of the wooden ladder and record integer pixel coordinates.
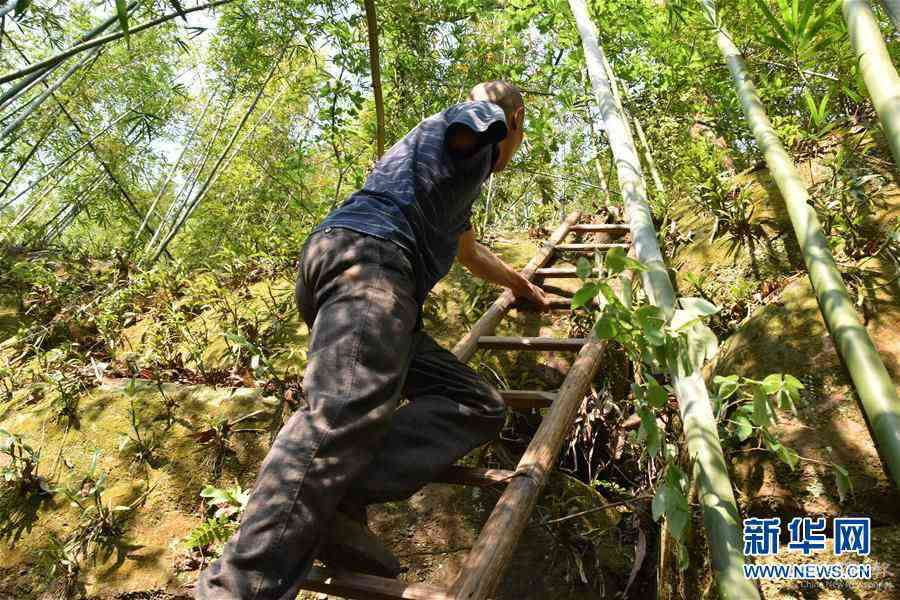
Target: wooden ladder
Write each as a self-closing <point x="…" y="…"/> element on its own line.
<point x="486" y="561"/>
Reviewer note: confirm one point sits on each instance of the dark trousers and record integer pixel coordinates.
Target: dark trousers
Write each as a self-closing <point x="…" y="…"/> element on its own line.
<point x="356" y="293"/>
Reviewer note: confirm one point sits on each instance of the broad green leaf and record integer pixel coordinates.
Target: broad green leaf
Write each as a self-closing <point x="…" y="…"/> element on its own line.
<point x="772" y="383"/>
<point x="656" y="394"/>
<point x="761" y="408"/>
<point x="702" y="344"/>
<point x="587" y="293"/>
<point x="605" y="328"/>
<point x="788" y="456"/>
<point x="675" y="476"/>
<point x="649" y="431"/>
<point x="658" y="506"/>
<point x="617" y="261"/>
<point x="793" y="386"/>
<point x="651" y="321"/>
<point x="608" y="293"/>
<point x="699" y="307"/>
<point x="727" y="385"/>
<point x="716" y="401"/>
<point x="677" y="517"/>
<point x="671" y="501"/>
<point x="681" y="319"/>
<point x="744" y="428"/>
<point x="584" y="268"/>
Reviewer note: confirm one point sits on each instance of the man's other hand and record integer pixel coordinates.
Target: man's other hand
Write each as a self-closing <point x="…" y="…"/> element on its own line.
<point x="532" y="294"/>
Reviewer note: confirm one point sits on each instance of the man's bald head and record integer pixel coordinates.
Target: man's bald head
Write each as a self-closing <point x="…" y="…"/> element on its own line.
<point x="509" y="98"/>
<point x="503" y="94"/>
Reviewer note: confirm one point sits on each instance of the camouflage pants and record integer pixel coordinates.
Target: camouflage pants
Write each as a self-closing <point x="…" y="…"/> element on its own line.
<point x="354" y="440"/>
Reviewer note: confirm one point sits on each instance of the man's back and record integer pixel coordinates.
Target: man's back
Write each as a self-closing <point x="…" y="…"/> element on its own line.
<point x="420" y="196"/>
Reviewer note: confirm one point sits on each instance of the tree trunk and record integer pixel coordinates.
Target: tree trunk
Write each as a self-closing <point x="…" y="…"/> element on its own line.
<point x="872" y="382"/>
<point x="720" y="514"/>
<point x="374" y="61"/>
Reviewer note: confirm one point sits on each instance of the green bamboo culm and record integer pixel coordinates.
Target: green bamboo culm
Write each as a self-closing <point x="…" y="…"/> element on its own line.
<point x="871" y="380"/>
<point x="720" y="514"/>
<point x="893" y="9"/>
<point x="876" y="67"/>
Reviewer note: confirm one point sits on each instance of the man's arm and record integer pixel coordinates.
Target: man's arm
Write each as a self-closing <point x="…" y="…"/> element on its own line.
<point x="484" y="264"/>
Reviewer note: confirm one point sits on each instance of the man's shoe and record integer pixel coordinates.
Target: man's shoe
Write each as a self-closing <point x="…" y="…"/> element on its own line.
<point x="351" y="545"/>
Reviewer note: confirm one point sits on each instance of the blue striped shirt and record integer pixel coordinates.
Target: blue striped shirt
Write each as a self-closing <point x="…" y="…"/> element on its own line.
<point x="419" y="196"/>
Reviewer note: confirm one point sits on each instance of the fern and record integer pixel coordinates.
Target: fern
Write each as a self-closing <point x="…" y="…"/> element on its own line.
<point x="211" y="531"/>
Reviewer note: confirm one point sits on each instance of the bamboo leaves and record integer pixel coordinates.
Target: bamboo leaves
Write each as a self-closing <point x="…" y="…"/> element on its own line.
<point x="818" y="113"/>
<point x="796" y="28"/>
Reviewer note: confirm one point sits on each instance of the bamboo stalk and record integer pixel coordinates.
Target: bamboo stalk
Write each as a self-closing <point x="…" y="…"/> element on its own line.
<point x="19" y="87"/>
<point x="872" y="382"/>
<point x="720" y="514"/>
<point x="78" y="48"/>
<point x="876" y="67"/>
<point x="374" y="61"/>
<point x="893" y="10"/>
<point x="25" y="214"/>
<point x="617" y="95"/>
<point x="223" y="159"/>
<point x="648" y="155"/>
<point x="25" y="161"/>
<point x="168" y="177"/>
<point x="68" y="158"/>
<point x="174" y="210"/>
<point x="34" y="104"/>
<point x="58" y="224"/>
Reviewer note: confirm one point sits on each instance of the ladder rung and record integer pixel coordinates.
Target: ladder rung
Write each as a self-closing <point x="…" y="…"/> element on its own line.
<point x="599" y="227"/>
<point x="554" y="302"/>
<point x="473" y="476"/>
<point x="528" y="398"/>
<point x="587" y="247"/>
<point x="530" y="343"/>
<point x="368" y="587"/>
<point x="561" y="272"/>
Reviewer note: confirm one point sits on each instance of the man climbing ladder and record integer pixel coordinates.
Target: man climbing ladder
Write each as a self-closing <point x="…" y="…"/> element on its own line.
<point x="365" y="273"/>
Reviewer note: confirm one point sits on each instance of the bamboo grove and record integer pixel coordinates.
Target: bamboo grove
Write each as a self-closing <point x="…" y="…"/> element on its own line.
<point x="175" y="139"/>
